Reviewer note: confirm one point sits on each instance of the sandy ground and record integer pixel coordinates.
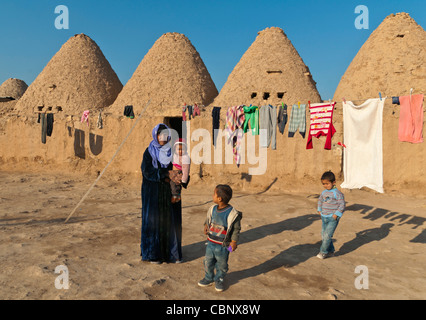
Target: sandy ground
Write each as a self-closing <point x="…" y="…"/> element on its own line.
<point x="275" y="259"/>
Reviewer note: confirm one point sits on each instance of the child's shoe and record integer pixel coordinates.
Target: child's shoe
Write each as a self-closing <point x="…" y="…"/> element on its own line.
<point x="219" y="285"/>
<point x="205" y="283"/>
<point x="321" y="255"/>
<point x="325" y="255"/>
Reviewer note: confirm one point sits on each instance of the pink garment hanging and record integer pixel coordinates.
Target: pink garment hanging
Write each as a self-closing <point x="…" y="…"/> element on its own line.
<point x="85" y="117"/>
<point x="196" y="111"/>
<point x="321" y="123"/>
<point x="235" y="118"/>
<point x="411" y="119"/>
<point x="184" y="113"/>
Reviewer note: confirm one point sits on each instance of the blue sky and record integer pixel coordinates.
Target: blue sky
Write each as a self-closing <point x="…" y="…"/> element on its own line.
<point x="323" y="31"/>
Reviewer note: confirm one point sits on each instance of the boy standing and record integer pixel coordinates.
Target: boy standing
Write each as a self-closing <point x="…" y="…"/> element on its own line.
<point x="331" y="205"/>
<point x="222" y="227"/>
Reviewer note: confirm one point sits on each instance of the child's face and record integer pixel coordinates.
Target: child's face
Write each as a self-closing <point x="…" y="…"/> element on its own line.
<point x="180" y="150"/>
<point x="216" y="199"/>
<point x="328" y="184"/>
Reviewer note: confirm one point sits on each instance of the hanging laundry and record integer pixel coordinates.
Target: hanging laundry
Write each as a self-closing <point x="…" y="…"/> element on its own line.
<point x="49" y="124"/>
<point x="411" y="119"/>
<point x="196" y="111"/>
<point x="43" y="128"/>
<point x="282" y="118"/>
<point x="395" y="100"/>
<point x="99" y="123"/>
<point x="216" y="122"/>
<point x="321" y="123"/>
<point x="363" y="155"/>
<point x="128" y="112"/>
<point x="297" y="120"/>
<point x="268" y="122"/>
<point x="251" y="115"/>
<point x="235" y="118"/>
<point x="190" y="111"/>
<point x="85" y="117"/>
<point x="184" y="113"/>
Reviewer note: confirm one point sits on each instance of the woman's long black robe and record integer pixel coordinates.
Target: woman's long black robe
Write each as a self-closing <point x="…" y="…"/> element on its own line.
<point x="161" y="238"/>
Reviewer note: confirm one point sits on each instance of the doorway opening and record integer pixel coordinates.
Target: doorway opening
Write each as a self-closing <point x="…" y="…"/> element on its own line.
<point x="174" y="123"/>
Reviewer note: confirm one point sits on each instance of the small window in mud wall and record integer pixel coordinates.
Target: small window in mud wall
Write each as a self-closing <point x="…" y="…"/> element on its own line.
<point x="280" y="95"/>
<point x="174" y="123"/>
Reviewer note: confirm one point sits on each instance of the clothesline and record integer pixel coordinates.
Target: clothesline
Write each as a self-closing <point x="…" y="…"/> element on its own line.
<point x="331" y="100"/>
<point x="365" y="99"/>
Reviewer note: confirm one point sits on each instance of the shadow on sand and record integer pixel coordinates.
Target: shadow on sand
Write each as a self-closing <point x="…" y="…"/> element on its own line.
<point x="197" y="250"/>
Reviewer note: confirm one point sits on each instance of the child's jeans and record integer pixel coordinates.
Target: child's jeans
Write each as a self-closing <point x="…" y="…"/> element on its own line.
<point x="329" y="225"/>
<point x="216" y="256"/>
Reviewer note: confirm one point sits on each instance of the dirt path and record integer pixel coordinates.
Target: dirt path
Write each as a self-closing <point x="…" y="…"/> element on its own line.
<point x="275" y="259"/>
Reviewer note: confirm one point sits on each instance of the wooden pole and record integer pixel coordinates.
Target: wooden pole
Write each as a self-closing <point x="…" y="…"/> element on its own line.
<point x="115" y="154"/>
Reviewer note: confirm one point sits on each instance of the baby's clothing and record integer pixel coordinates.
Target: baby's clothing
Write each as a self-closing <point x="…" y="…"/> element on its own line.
<point x="182" y="164"/>
<point x="175" y="182"/>
<point x="180" y="173"/>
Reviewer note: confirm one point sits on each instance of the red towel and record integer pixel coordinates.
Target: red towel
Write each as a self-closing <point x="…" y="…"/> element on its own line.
<point x="321" y="123"/>
<point x="411" y="119"/>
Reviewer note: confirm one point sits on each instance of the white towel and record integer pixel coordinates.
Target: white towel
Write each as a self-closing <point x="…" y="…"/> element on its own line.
<point x="363" y="137"/>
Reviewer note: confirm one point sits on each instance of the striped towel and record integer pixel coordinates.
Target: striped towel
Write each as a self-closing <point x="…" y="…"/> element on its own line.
<point x="234" y="123"/>
<point x="321" y="123"/>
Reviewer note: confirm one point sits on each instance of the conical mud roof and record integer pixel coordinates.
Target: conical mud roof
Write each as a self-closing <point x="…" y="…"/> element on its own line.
<point x="13" y="88"/>
<point x="172" y="73"/>
<point x="391" y="61"/>
<point x="270" y="72"/>
<point x="77" y="78"/>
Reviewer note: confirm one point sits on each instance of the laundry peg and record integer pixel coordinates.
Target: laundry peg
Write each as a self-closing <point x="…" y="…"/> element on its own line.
<point x="298" y="103"/>
<point x="380" y="95"/>
<point x="344" y="100"/>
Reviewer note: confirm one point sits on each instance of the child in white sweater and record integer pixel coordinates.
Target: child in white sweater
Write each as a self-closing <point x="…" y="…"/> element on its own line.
<point x="181" y="167"/>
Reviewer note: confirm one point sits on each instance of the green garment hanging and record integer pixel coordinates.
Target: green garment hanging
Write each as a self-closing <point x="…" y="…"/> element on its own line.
<point x="251" y="115"/>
